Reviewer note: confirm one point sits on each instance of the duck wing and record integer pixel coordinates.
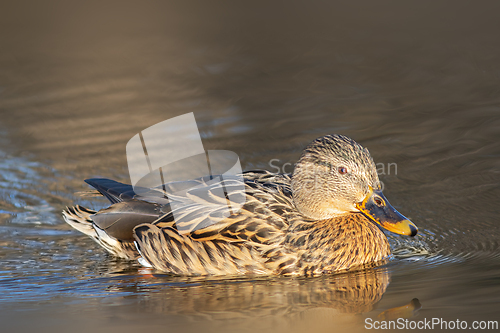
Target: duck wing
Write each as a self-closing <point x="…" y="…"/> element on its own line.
<point x="200" y="242"/>
<point x="126" y="211"/>
<point x="114" y="191"/>
<point x="133" y="207"/>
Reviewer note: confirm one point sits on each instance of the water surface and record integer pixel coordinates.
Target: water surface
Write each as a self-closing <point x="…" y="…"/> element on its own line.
<point x="416" y="83"/>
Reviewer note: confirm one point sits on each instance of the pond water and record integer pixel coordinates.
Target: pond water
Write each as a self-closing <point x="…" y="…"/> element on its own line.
<point x="417" y="83"/>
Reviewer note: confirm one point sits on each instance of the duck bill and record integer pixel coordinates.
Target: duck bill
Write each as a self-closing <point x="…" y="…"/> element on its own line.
<point x="378" y="209"/>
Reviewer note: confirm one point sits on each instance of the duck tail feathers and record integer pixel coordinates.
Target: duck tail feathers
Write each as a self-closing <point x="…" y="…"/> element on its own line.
<point x="79" y="218"/>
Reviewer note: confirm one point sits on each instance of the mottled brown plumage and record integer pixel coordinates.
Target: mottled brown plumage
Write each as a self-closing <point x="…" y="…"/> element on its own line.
<point x="313" y="222"/>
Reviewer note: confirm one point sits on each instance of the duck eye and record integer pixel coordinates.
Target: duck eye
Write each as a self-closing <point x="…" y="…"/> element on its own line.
<point x="342" y="170"/>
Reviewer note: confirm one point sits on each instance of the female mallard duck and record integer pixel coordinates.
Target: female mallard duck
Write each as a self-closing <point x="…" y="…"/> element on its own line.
<point x="321" y="219"/>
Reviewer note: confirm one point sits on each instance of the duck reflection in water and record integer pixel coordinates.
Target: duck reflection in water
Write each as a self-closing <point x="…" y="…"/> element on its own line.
<point x="289" y="301"/>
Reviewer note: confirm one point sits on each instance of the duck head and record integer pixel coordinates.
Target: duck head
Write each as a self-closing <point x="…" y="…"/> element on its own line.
<point x="337" y="176"/>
